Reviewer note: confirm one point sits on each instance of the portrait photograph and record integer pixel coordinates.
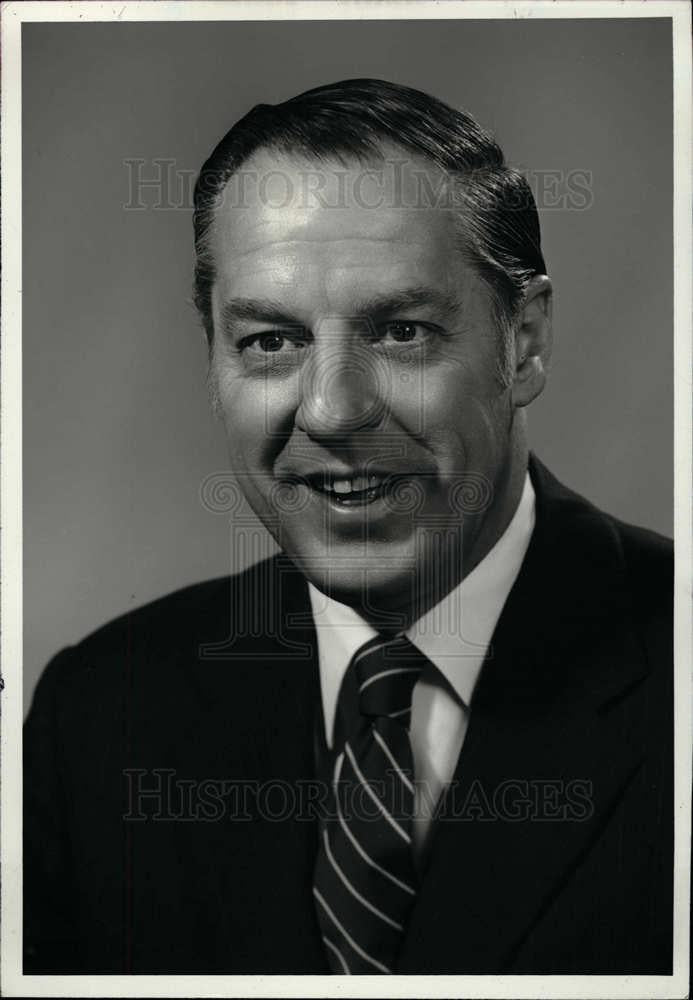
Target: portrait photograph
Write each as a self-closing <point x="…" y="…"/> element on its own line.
<point x="346" y="499"/>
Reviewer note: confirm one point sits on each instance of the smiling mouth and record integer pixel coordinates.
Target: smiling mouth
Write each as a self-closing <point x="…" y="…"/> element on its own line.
<point x="356" y="492"/>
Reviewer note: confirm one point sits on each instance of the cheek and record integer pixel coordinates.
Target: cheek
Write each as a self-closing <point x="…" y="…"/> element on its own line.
<point x="459" y="413"/>
<point x="257" y="416"/>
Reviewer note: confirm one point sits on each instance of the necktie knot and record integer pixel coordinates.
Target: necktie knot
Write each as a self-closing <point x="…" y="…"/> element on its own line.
<point x="386" y="671"/>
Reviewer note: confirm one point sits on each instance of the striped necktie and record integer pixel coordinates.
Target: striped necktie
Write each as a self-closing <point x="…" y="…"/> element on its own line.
<point x="365" y="881"/>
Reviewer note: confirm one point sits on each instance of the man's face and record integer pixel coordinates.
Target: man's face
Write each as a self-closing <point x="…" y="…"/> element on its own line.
<point x="355" y="365"/>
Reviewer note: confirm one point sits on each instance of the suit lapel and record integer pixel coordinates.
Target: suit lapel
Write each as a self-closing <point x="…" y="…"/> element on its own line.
<point x="257" y="681"/>
<point x="545" y="760"/>
<point x="258" y="667"/>
<point x="288" y="707"/>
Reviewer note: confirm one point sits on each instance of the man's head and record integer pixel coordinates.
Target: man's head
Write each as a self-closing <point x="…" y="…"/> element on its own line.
<point x="370" y="279"/>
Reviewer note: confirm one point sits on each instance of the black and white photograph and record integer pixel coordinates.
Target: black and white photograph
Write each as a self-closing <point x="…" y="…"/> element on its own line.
<point x="346" y="499"/>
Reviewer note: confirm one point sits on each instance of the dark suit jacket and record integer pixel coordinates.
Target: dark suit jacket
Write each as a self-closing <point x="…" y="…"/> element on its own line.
<point x="553" y="856"/>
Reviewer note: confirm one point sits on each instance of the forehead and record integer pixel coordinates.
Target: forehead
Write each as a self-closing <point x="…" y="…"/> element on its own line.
<point x="317" y="234"/>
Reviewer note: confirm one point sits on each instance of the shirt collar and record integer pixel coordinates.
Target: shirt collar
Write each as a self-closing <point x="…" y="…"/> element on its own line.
<point x="454" y="634"/>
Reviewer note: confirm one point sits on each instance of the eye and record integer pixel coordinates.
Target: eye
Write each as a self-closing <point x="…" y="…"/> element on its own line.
<point x="402" y="331"/>
<point x="273" y="342"/>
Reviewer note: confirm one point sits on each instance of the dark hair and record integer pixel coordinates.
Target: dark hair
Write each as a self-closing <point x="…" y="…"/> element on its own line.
<point x="351" y="119"/>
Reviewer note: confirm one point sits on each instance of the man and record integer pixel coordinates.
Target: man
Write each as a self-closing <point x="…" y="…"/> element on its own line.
<point x="434" y="734"/>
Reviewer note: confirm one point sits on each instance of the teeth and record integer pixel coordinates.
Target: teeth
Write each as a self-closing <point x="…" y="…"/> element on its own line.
<point x="356" y="485"/>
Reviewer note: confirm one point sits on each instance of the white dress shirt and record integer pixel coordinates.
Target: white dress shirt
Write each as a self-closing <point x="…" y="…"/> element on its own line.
<point x="454" y="635"/>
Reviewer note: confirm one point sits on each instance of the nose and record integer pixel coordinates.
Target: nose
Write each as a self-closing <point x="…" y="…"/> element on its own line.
<point x="344" y="387"/>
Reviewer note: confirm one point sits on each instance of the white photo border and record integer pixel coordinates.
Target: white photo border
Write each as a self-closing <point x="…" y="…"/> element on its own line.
<point x="12" y="980"/>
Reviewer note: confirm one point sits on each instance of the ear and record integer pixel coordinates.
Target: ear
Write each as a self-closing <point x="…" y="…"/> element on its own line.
<point x="533" y="341"/>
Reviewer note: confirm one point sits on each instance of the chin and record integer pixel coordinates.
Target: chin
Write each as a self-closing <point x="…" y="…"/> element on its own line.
<point x="374" y="590"/>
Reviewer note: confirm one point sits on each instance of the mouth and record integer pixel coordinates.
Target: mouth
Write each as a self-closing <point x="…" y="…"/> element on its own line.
<point x="360" y="490"/>
<point x="357" y="492"/>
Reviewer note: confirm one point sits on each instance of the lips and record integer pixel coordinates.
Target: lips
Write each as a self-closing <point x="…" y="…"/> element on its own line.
<point x="352" y="490"/>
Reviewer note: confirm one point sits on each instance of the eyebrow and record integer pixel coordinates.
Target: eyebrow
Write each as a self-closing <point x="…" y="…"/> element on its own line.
<point x="408" y="298"/>
<point x="270" y="311"/>
<point x="261" y="310"/>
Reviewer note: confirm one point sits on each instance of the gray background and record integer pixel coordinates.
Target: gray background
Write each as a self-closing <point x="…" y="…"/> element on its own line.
<point x="118" y="437"/>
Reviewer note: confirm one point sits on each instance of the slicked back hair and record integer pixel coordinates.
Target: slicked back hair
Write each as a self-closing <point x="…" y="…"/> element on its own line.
<point x="499" y="231"/>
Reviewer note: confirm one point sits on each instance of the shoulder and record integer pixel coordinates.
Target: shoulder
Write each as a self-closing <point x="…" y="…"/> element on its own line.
<point x="611" y="557"/>
<point x="646" y="556"/>
<point x="648" y="560"/>
<point x="154" y="639"/>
